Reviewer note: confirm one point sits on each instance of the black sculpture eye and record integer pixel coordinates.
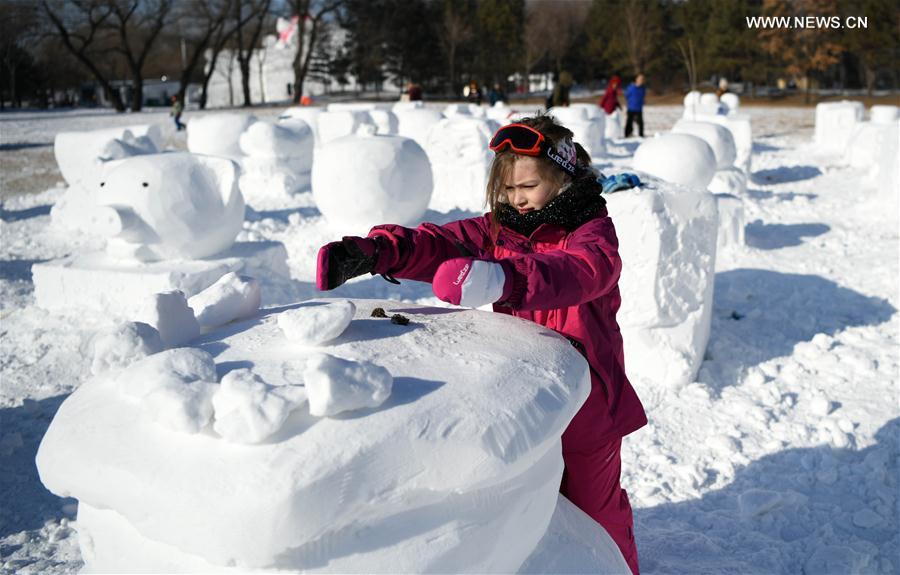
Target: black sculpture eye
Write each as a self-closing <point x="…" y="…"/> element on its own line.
<point x="102" y="184"/>
<point x="145" y="184"/>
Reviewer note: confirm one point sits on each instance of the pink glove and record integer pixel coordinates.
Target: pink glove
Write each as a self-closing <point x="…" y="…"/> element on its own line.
<point x="471" y="283"/>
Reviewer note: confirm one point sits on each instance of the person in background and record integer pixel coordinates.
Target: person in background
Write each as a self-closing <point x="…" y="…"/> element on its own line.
<point x="723" y="87"/>
<point x="496" y="94"/>
<point x="610" y="100"/>
<point x="414" y="92"/>
<point x="560" y="96"/>
<point x="177" y="110"/>
<point x="634" y="97"/>
<point x="546" y="252"/>
<point x="472" y="92"/>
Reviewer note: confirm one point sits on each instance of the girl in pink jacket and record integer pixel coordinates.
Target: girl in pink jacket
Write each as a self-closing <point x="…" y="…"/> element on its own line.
<point x="547" y="252"/>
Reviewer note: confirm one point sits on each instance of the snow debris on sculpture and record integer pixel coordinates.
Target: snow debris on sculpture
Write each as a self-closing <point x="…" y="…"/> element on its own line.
<point x="835" y="122"/>
<point x="460" y="160"/>
<point x="84" y="159"/>
<point x="668" y="234"/>
<point x="218" y="134"/>
<point x="171" y="206"/>
<point x="365" y="179"/>
<point x="587" y="122"/>
<point x="277" y="159"/>
<point x="374" y="443"/>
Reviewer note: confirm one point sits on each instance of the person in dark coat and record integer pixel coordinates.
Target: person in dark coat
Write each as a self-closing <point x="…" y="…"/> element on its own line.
<point x="634" y="97"/>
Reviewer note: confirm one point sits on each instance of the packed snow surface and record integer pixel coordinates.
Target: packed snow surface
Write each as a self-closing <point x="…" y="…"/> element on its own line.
<point x="779" y="457"/>
<point x="683" y="159"/>
<point x="412" y="452"/>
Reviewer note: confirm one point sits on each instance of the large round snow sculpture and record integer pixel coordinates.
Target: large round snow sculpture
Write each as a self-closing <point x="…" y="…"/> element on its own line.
<point x="218" y="134"/>
<point x="278" y="160"/>
<point x="171" y="206"/>
<point x="679" y="158"/>
<point x="718" y="137"/>
<point x="460" y="158"/>
<point x="365" y="179"/>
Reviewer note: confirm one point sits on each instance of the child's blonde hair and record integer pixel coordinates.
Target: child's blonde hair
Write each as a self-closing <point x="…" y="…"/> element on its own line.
<point x="502" y="166"/>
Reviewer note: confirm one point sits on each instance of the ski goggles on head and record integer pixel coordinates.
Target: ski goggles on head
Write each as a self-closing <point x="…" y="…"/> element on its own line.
<point x="520" y="138"/>
<point x="527" y="141"/>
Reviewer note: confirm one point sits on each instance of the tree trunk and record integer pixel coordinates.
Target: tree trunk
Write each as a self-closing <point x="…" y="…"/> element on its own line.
<point x="808" y="85"/>
<point x="137" y="95"/>
<point x="870" y="80"/>
<point x="245" y="80"/>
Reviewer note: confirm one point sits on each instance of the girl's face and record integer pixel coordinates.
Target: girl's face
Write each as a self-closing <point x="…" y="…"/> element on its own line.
<point x="526" y="188"/>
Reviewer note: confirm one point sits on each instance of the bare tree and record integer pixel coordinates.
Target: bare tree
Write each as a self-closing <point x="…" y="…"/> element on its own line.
<point x="457" y="31"/>
<point x="643" y="30"/>
<point x="553" y="27"/>
<point x="690" y="61"/>
<point x="204" y="22"/>
<point x="79" y="24"/>
<point x="245" y="45"/>
<point x="138" y="24"/>
<point x="310" y="19"/>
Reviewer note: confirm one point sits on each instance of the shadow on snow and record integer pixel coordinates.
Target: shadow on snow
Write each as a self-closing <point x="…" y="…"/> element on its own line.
<point x="786" y="174"/>
<point x="775" y="236"/>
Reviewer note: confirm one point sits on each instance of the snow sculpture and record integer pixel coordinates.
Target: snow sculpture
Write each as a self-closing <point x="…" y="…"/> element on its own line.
<point x="719" y="139"/>
<point x="85" y="158"/>
<point x="308" y="114"/>
<point x="379" y="114"/>
<point x="171" y="206"/>
<point x="834" y="124"/>
<point x="668" y="233"/>
<point x="884" y="114"/>
<point x="613" y="125"/>
<point x="587" y="123"/>
<point x="460" y="160"/>
<point x="731" y="102"/>
<point x="278" y="159"/>
<point x="417" y="122"/>
<point x="366" y="491"/>
<point x="218" y="134"/>
<point x="697" y="104"/>
<point x="339" y="123"/>
<point x="77" y="153"/>
<point x="499" y="112"/>
<point x="365" y="179"/>
<point x="465" y="110"/>
<point x="679" y="158"/>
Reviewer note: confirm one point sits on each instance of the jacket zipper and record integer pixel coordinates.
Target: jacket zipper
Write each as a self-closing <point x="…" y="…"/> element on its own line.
<point x="581" y="349"/>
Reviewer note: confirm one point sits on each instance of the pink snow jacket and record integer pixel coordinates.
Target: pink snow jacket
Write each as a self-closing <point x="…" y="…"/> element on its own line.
<point x="564" y="279"/>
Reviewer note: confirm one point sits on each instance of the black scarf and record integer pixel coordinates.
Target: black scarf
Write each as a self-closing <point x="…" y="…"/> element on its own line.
<point x="577" y="204"/>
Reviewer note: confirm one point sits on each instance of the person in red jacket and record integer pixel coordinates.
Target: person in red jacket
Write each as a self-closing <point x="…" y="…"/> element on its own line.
<point x="547" y="252"/>
<point x="610" y="100"/>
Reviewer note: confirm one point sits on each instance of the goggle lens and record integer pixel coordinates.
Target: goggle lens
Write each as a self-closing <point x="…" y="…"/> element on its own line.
<point x="520" y="138"/>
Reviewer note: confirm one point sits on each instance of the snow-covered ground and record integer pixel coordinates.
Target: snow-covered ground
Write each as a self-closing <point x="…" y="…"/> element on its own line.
<point x="781" y="458"/>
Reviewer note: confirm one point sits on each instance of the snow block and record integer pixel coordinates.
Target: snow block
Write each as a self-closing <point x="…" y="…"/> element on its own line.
<point x="307" y="114"/>
<point x="866" y="139"/>
<point x="316" y="324"/>
<point x="834" y="124"/>
<point x="437" y="479"/>
<point x="170" y="314"/>
<point x="96" y="283"/>
<point x="682" y="159"/>
<point x="78" y="153"/>
<point x="380" y="115"/>
<point x="278" y="159"/>
<point x="416" y="123"/>
<point x="732" y="222"/>
<point x="123" y="345"/>
<point x="171" y="206"/>
<point x="614" y="128"/>
<point x="729" y="180"/>
<point x="884" y="114"/>
<point x="340" y="123"/>
<point x="457" y="147"/>
<point x="667" y="236"/>
<point x="365" y="179"/>
<point x="231" y="297"/>
<point x="587" y="123"/>
<point x="731" y="102"/>
<point x="718" y="137"/>
<point x="218" y="134"/>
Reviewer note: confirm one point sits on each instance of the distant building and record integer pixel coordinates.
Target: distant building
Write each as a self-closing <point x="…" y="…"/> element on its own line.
<point x="272" y="72"/>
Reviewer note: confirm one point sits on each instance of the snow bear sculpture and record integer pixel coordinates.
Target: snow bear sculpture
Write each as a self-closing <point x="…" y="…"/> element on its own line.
<point x="171" y="206"/>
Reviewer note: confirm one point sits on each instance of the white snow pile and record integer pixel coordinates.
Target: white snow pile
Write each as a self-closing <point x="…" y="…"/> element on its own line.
<point x="232" y="297"/>
<point x="868" y="138"/>
<point x="122" y="345"/>
<point x="682" y="159"/>
<point x="335" y="124"/>
<point x="84" y="159"/>
<point x="218" y="134"/>
<point x="416" y="122"/>
<point x="457" y="147"/>
<point x="588" y="125"/>
<point x="336" y="385"/>
<point x="667" y="234"/>
<point x="380" y="115"/>
<point x="316" y="324"/>
<point x="725" y="114"/>
<point x="277" y="160"/>
<point x="835" y="122"/>
<point x="172" y="317"/>
<point x="423" y="474"/>
<point x="365" y="179"/>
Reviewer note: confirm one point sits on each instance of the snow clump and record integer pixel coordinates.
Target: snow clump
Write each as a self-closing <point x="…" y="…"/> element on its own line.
<point x="249" y="411"/>
<point x="232" y="297"/>
<point x="124" y="344"/>
<point x="316" y="323"/>
<point x="336" y="385"/>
